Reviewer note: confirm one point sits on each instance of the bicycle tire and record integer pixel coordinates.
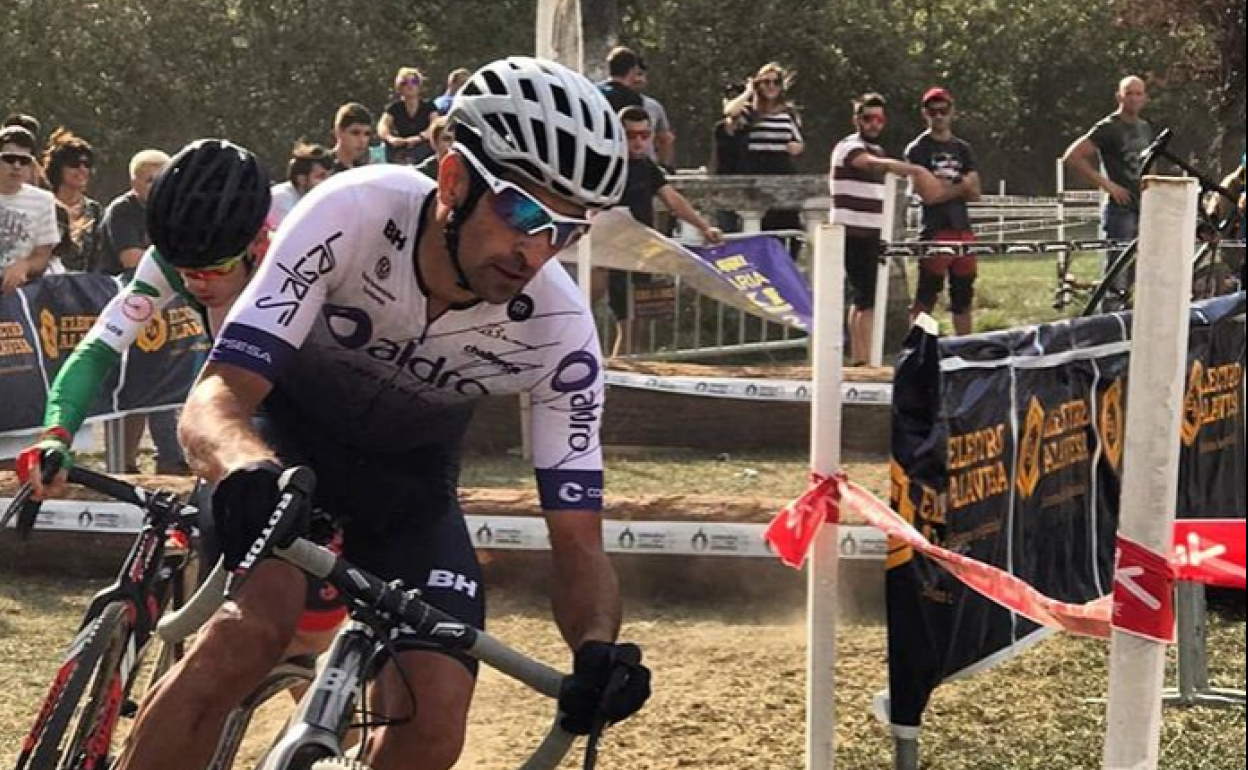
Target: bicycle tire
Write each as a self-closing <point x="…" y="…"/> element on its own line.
<point x="86" y="696"/>
<point x="1123" y="261"/>
<point x="340" y="763"/>
<point x="279" y="680"/>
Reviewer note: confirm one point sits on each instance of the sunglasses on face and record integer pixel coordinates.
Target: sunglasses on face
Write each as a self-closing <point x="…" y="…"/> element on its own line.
<point x="212" y="272"/>
<point x="79" y="163"/>
<point x="16" y="158"/>
<point x="409" y="82"/>
<point x="521" y="211"/>
<point x="642" y="133"/>
<point x="938" y="111"/>
<point x="768" y="82"/>
<point x="872" y="119"/>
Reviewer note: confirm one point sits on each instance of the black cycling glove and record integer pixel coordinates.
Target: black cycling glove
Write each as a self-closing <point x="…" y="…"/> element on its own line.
<point x="608" y="684"/>
<point x="242" y="505"/>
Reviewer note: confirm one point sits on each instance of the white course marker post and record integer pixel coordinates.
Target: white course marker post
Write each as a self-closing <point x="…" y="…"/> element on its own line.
<point x="890" y="232"/>
<point x="827" y="348"/>
<point x="1150" y="474"/>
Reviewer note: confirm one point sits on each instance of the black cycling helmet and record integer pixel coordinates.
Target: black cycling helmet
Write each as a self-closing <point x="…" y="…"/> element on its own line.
<point x="208" y="204"/>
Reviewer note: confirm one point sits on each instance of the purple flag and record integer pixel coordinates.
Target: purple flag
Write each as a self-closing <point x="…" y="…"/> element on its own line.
<point x="761" y="270"/>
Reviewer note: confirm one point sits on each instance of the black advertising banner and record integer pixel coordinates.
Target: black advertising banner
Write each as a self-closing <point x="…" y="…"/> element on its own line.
<point x="162" y="364"/>
<point x="1008" y="448"/>
<point x="62" y="309"/>
<point x="42" y="323"/>
<point x="22" y="390"/>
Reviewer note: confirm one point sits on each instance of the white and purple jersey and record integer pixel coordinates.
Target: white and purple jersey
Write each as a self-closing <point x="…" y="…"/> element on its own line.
<point x="337" y="319"/>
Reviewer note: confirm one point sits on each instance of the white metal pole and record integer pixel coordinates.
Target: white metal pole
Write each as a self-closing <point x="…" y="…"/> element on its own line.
<point x="1060" y="171"/>
<point x="889" y="232"/>
<point x="827" y="345"/>
<point x="1150" y="474"/>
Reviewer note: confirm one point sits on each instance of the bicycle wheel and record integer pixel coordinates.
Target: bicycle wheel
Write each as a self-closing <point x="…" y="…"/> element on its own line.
<point x="281" y="679"/>
<point x="340" y="763"/>
<point x="79" y="729"/>
<point x="1107" y="283"/>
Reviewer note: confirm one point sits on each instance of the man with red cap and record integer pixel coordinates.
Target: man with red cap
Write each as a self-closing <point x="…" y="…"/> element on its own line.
<point x="945" y="216"/>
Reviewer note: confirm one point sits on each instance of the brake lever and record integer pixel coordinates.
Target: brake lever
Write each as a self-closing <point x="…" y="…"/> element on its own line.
<point x="24" y="506"/>
<point x="628" y="656"/>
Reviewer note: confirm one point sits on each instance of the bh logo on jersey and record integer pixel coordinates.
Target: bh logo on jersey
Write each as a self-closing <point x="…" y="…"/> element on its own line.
<point x="352" y="328"/>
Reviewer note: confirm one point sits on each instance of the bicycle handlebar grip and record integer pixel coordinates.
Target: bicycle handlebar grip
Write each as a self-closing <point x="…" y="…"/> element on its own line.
<point x="554" y="747"/>
<point x="175" y="627"/>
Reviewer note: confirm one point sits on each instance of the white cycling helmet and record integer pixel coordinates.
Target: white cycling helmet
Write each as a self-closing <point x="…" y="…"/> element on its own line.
<point x="549" y="124"/>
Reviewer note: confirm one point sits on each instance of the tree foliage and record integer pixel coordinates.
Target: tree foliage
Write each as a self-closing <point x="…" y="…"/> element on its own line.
<point x="1028" y="76"/>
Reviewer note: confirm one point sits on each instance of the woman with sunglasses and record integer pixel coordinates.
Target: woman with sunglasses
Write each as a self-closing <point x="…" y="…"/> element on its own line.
<point x="386" y="308"/>
<point x="770" y="132"/>
<point x="405" y="123"/>
<point x="68" y="161"/>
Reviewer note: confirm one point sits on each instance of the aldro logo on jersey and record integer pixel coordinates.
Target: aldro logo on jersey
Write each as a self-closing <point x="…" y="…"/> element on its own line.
<point x="317" y="262"/>
<point x="352" y="328"/>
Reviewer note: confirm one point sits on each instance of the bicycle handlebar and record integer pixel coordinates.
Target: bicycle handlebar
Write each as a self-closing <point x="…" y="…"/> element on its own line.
<point x="117" y="489"/>
<point x="1159" y="149"/>
<point x="398" y="607"/>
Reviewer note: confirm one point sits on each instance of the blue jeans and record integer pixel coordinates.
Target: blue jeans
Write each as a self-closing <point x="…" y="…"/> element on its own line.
<point x="1119" y="224"/>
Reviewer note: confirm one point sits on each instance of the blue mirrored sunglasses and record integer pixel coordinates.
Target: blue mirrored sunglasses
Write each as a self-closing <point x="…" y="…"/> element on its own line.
<point x="522" y="212"/>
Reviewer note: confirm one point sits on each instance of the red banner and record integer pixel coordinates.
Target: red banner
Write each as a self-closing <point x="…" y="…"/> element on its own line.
<point x="1143" y="592"/>
<point x="1210" y="551"/>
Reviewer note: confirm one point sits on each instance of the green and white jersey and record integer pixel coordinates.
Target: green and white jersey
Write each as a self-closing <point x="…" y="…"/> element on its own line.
<point x="154" y="286"/>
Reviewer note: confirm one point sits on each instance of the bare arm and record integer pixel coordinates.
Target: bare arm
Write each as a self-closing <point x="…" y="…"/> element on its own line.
<point x="684" y="210"/>
<point x="215" y="427"/>
<point x="1081" y="157"/>
<point x="665" y="147"/>
<point x="926" y="185"/>
<point x="385" y="129"/>
<point x="586" y="594"/>
<point x="130" y="258"/>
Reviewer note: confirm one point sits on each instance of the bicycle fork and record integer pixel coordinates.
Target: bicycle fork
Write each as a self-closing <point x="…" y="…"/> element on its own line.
<point x="325" y="712"/>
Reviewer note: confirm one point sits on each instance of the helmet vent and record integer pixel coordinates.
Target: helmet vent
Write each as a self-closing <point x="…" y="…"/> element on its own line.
<point x="494" y="83"/>
<point x="539" y="137"/>
<point x="596" y="166"/>
<point x="567" y="153"/>
<point x="530" y="93"/>
<point x="561" y="100"/>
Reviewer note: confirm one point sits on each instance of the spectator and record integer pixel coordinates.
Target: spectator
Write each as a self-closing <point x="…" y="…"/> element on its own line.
<point x="309" y="165"/>
<point x="645" y="180"/>
<point x="34" y="172"/>
<point x="856" y="183"/>
<point x="623" y="83"/>
<point x="27" y="214"/>
<point x="406" y="119"/>
<point x="1119" y="140"/>
<point x="772" y="135"/>
<point x="126" y="238"/>
<point x="124" y="226"/>
<point x="946" y="218"/>
<point x="663" y="149"/>
<point x="68" y="161"/>
<point x="454" y="82"/>
<point x="441" y="137"/>
<point x="353" y="130"/>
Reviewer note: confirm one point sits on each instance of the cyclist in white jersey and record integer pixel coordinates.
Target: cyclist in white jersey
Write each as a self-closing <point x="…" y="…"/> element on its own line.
<point x="384" y="309"/>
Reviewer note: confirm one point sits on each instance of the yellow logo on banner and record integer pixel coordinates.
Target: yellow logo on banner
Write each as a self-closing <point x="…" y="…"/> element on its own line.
<point x="899" y="552"/>
<point x="47" y="333"/>
<point x="154" y="334"/>
<point x="1112" y="424"/>
<point x="1192" y="419"/>
<point x="1029" y="449"/>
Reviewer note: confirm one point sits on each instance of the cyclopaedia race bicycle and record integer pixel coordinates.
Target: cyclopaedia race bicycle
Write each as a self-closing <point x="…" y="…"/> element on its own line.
<point x="1115" y="288"/>
<point x="73" y="729"/>
<point x="314" y="738"/>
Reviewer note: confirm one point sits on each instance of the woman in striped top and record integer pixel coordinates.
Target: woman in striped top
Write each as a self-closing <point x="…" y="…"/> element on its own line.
<point x="772" y="127"/>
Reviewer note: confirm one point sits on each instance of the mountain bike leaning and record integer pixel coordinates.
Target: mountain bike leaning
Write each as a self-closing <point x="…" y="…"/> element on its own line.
<point x="73" y="728"/>
<point x="315" y="738"/>
<point x="1212" y="229"/>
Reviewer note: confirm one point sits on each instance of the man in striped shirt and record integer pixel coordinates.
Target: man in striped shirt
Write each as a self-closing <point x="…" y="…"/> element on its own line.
<point x="856" y="183"/>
